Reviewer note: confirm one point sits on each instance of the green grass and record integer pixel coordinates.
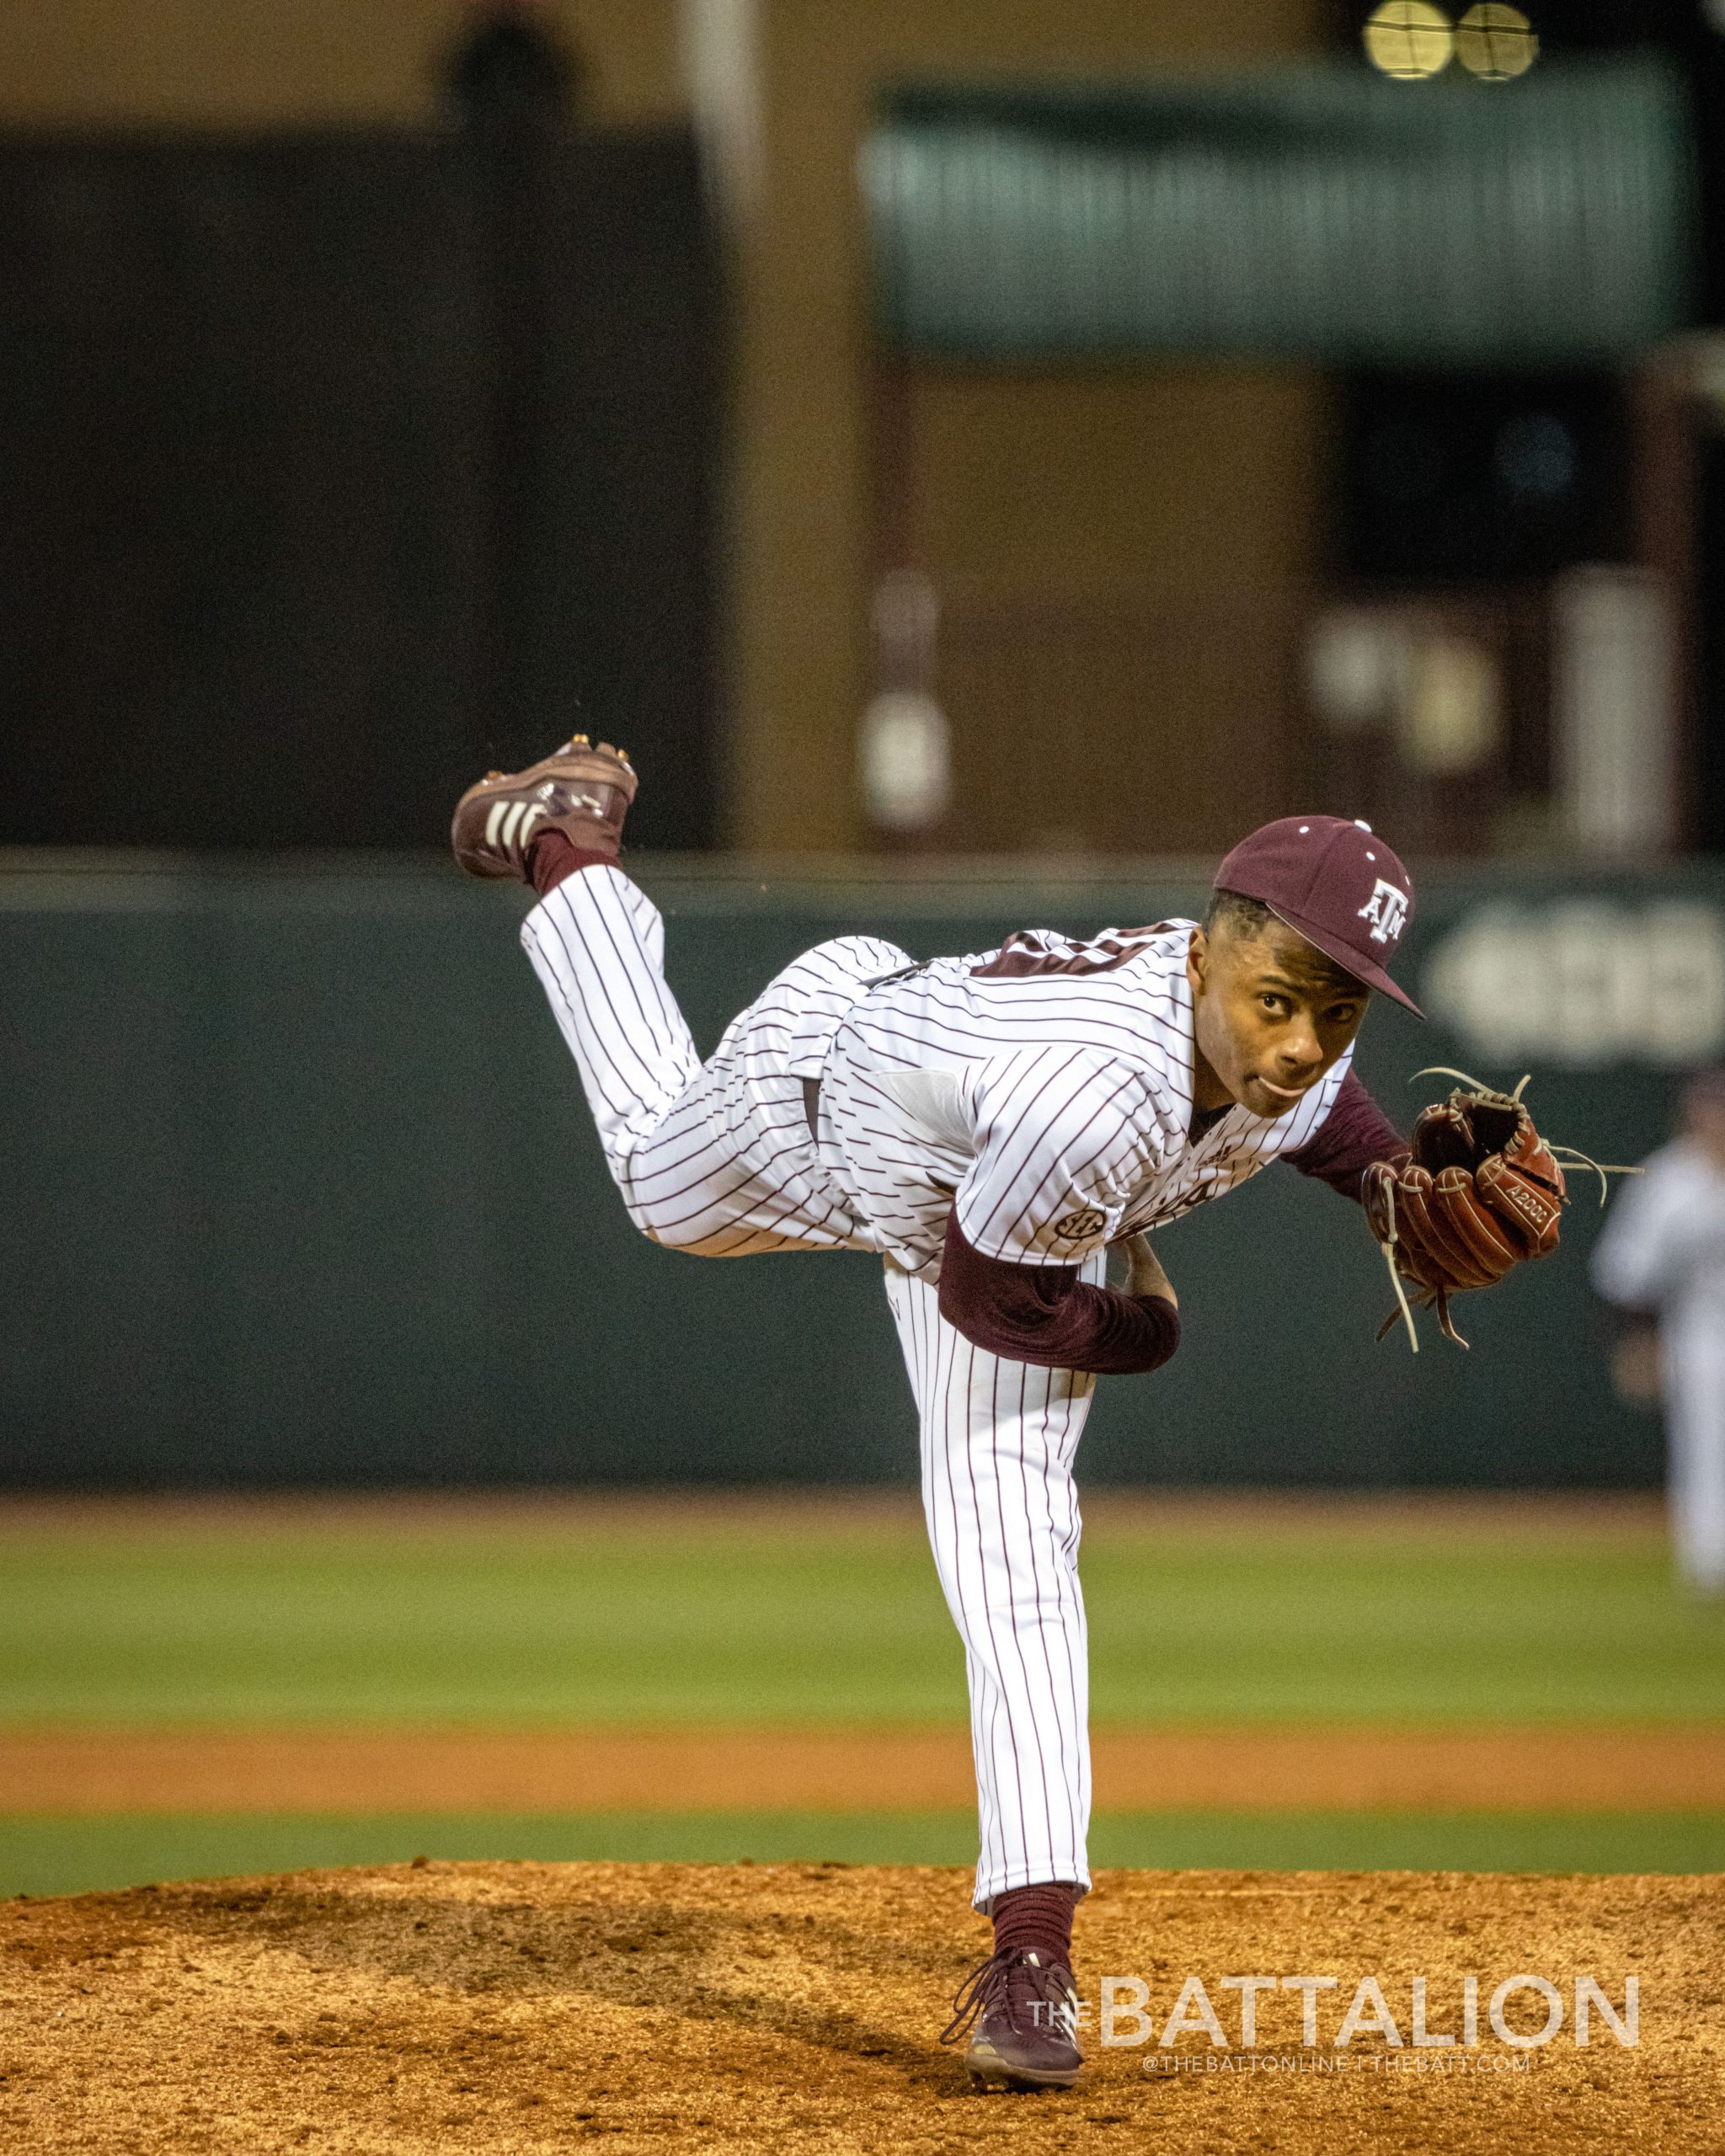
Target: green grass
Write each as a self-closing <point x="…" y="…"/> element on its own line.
<point x="481" y="1615"/>
<point x="478" y="1617"/>
<point x="73" y="1856"/>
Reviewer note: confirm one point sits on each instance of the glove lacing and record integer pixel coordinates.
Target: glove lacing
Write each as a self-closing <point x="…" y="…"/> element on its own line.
<point x="1388" y="1247"/>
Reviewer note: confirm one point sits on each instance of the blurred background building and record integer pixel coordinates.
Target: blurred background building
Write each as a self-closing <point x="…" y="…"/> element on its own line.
<point x="1243" y="403"/>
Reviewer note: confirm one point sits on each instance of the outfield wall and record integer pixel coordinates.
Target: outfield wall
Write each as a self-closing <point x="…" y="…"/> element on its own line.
<point x="300" y="1189"/>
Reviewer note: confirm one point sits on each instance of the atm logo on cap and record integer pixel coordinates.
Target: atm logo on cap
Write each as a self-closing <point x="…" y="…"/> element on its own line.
<point x="1386" y="909"/>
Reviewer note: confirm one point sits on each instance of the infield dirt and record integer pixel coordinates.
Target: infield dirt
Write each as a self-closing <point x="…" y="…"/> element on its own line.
<point x="1583" y="1769"/>
<point x="525" y="2008"/>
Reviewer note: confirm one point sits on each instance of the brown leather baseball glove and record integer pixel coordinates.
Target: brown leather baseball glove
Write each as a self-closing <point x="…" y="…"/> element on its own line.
<point x="1481" y="1191"/>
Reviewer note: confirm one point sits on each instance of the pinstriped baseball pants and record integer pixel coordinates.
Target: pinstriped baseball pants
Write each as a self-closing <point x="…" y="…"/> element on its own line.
<point x="713" y="1158"/>
<point x="997" y="1443"/>
<point x="716" y="1159"/>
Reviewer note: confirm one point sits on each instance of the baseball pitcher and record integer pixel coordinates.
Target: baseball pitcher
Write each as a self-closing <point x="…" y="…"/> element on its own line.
<point x="991" y="1126"/>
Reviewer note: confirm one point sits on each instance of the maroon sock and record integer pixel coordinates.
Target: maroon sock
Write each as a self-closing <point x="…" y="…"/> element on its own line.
<point x="1037" y="1920"/>
<point x="553" y="857"/>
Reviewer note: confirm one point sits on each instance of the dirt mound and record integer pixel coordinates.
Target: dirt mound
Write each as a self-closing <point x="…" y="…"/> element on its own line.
<point x="527" y="2008"/>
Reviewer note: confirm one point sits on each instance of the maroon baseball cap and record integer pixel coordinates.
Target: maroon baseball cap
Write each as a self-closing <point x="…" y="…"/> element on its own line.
<point x="1337" y="884"/>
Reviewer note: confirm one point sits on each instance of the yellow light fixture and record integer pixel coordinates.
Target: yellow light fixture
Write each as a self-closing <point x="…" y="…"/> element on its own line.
<point x="1496" y="43"/>
<point x="1410" y="39"/>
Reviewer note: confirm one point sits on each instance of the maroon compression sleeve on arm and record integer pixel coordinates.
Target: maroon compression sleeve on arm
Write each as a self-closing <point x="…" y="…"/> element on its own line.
<point x="1355" y="1133"/>
<point x="1046" y="1314"/>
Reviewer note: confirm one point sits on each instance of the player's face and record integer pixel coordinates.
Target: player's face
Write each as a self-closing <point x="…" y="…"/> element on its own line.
<point x="1270" y="1014"/>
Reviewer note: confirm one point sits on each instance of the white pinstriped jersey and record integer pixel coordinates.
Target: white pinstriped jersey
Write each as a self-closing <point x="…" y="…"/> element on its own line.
<point x="716" y="1156"/>
<point x="1045" y="1090"/>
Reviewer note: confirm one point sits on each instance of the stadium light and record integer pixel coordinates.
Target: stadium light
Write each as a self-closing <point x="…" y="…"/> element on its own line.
<point x="1496" y="43"/>
<point x="1409" y="40"/>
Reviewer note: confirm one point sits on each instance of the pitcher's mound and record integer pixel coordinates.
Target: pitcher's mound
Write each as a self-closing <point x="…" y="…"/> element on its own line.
<point x="524" y="2007"/>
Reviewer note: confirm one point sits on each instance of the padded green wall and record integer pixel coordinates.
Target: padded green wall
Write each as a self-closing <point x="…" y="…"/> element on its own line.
<point x="300" y="1189"/>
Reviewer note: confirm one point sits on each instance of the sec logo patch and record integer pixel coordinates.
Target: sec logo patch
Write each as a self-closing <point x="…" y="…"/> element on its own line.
<point x="1079" y="1226"/>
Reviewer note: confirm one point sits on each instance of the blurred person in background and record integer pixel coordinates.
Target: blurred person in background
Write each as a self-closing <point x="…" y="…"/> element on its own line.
<point x="507" y="66"/>
<point x="1661" y="1262"/>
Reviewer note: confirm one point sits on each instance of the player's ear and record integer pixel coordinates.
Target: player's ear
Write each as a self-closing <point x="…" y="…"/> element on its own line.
<point x="1197" y="961"/>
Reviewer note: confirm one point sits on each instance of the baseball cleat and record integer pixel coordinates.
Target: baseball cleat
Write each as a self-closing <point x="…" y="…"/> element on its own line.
<point x="1021" y="2016"/>
<point x="583" y="791"/>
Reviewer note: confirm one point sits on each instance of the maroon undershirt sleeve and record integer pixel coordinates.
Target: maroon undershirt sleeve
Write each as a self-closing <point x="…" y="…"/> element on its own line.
<point x="1046" y="1314"/>
<point x="1355" y="1133"/>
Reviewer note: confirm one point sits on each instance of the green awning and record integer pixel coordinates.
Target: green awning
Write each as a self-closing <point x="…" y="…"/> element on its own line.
<point x="1317" y="211"/>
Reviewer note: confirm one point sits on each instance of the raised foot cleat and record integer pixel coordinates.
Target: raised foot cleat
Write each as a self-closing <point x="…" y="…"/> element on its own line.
<point x="583" y="791"/>
<point x="1021" y="2018"/>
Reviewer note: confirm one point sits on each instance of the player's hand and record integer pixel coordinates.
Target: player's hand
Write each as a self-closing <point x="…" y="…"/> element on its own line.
<point x="1145" y="1272"/>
